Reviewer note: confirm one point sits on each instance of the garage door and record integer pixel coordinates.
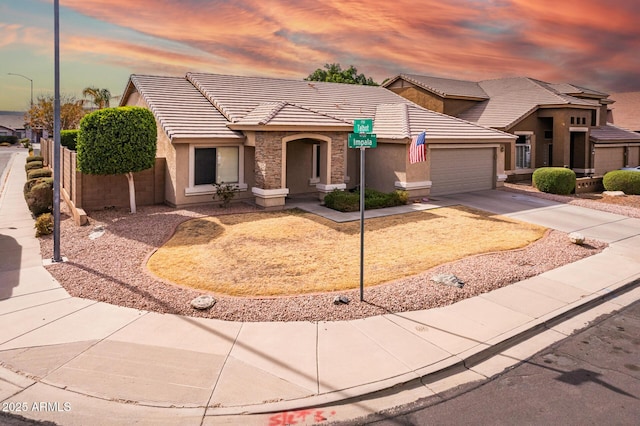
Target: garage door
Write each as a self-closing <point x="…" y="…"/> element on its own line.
<point x="608" y="158"/>
<point x="461" y="170"/>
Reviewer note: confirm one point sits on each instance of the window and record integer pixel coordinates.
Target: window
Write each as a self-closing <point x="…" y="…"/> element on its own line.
<point x="584" y="120"/>
<point x="523" y="152"/>
<point x="215" y="165"/>
<point x="548" y="134"/>
<point x="573" y="120"/>
<point x="315" y="162"/>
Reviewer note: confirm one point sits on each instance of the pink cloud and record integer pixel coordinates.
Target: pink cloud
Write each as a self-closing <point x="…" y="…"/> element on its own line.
<point x="460" y="38"/>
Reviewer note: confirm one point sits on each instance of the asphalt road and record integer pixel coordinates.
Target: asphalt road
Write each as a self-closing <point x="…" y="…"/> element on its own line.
<point x="590" y="378"/>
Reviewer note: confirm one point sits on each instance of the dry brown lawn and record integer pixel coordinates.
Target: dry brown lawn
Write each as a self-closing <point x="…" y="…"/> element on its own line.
<point x="293" y="252"/>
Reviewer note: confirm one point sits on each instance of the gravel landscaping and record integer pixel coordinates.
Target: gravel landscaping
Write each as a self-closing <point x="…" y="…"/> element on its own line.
<point x="107" y="258"/>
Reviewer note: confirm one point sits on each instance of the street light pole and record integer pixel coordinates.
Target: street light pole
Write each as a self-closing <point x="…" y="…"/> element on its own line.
<point x="31" y="103"/>
<point x="30" y="80"/>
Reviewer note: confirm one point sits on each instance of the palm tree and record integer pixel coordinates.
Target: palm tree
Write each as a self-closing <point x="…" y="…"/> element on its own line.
<point x="101" y="97"/>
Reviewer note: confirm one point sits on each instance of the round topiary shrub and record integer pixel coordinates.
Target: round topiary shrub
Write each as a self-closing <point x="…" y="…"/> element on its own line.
<point x="626" y="181"/>
<point x="555" y="180"/>
<point x="35" y="158"/>
<point x="32" y="165"/>
<point x="32" y="182"/>
<point x="40" y="199"/>
<point x="36" y="173"/>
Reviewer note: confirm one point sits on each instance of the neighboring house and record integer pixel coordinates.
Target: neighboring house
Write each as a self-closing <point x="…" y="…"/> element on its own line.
<point x="276" y="138"/>
<point x="559" y="125"/>
<point x="625" y="112"/>
<point x="12" y="124"/>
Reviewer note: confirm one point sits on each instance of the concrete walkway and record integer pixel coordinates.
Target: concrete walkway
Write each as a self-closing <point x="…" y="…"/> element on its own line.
<point x="76" y="361"/>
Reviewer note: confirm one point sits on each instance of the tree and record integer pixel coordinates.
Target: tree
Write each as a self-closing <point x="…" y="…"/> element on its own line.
<point x="40" y="115"/>
<point x="335" y="74"/>
<point x="116" y="141"/>
<point x="101" y="97"/>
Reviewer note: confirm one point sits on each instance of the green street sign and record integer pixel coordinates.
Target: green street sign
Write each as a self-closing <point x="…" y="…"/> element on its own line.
<point x="362" y="141"/>
<point x="363" y="125"/>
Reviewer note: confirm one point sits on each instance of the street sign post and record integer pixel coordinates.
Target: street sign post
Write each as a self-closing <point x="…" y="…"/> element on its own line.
<point x="363" y="125"/>
<point x="362" y="138"/>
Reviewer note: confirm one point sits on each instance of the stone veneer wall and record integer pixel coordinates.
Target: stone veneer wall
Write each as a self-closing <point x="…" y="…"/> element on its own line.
<point x="268" y="157"/>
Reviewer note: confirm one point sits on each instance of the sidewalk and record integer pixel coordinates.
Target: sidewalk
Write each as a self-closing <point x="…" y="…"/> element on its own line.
<point x="76" y="361"/>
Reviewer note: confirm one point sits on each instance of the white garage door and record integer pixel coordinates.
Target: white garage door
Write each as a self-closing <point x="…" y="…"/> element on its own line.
<point x="462" y="170"/>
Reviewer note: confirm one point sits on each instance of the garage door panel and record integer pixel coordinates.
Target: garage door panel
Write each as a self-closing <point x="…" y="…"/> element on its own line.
<point x="462" y="170"/>
<point x="608" y="158"/>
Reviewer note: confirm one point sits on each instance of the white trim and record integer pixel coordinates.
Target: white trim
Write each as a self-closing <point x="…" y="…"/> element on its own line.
<point x="314" y="181"/>
<point x="501" y="178"/>
<point x="193" y="189"/>
<point x="425" y="184"/>
<point x="523" y="133"/>
<point x="270" y="193"/>
<point x="329" y="188"/>
<point x="579" y="129"/>
<point x="523" y="171"/>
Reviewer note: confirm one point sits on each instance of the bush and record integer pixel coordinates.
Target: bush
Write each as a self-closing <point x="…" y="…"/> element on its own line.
<point x="225" y="193"/>
<point x="555" y="180"/>
<point x="35" y="158"/>
<point x="32" y="165"/>
<point x="626" y="181"/>
<point x="350" y="201"/>
<point x="36" y="173"/>
<point x="69" y="138"/>
<point x="32" y="182"/>
<point x="9" y="139"/>
<point x="40" y="198"/>
<point x="44" y="224"/>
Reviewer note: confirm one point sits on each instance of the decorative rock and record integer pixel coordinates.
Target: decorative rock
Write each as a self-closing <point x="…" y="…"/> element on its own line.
<point x="203" y="302"/>
<point x="448" y="279"/>
<point x="614" y="193"/>
<point x="97" y="232"/>
<point x="341" y="300"/>
<point x="576" y="238"/>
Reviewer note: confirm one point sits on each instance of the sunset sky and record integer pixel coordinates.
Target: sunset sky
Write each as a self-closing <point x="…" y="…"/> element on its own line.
<point x="586" y="42"/>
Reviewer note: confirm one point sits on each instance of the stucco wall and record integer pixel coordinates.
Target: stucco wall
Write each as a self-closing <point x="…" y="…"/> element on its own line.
<point x="384" y="165"/>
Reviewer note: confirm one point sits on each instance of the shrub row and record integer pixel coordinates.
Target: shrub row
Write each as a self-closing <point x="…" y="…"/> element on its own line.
<point x="555" y="180"/>
<point x="8" y="139"/>
<point x="38" y="193"/>
<point x="626" y="181"/>
<point x="345" y="201"/>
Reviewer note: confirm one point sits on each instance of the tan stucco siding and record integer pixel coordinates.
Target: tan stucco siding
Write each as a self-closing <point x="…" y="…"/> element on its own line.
<point x="384" y="165"/>
<point x="421" y="97"/>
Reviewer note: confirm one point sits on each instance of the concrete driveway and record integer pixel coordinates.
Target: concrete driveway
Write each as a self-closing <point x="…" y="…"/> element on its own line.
<point x="603" y="226"/>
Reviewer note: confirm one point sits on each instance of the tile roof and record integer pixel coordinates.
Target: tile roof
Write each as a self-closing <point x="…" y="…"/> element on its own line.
<point x="285" y="114"/>
<point x="181" y="110"/>
<point x="512" y="99"/>
<point x="613" y="134"/>
<point x="12" y="120"/>
<point x="251" y="99"/>
<point x="217" y="106"/>
<point x="444" y="87"/>
<point x="572" y="89"/>
<point x="626" y="110"/>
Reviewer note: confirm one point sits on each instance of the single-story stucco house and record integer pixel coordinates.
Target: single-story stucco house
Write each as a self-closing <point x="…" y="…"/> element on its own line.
<point x="276" y="138"/>
<point x="12" y="124"/>
<point x="560" y="125"/>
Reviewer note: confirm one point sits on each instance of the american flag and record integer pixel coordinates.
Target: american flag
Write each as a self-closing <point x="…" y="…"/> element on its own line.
<point x="417" y="149"/>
